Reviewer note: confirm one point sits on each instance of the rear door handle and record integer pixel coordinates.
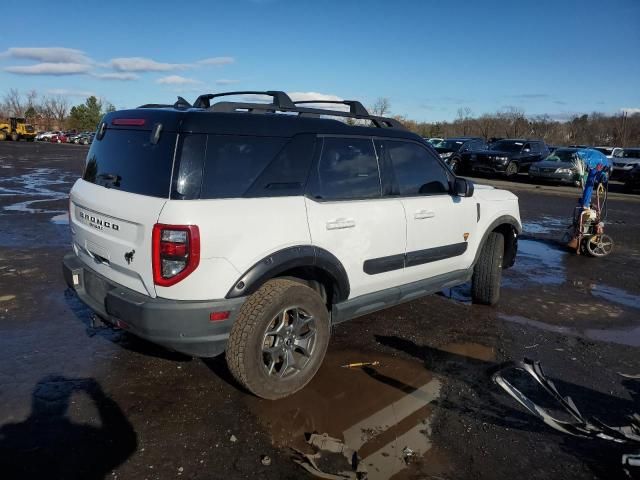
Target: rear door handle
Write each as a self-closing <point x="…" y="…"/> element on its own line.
<point x="422" y="214"/>
<point x="341" y="223"/>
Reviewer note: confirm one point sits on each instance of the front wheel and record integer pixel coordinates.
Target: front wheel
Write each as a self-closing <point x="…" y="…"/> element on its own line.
<point x="279" y="339"/>
<point x="487" y="273"/>
<point x="512" y="169"/>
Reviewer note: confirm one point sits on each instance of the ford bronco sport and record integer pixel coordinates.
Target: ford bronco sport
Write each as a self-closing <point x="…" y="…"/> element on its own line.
<point x="251" y="229"/>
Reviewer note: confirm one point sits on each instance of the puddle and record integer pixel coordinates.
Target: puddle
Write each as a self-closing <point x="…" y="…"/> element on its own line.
<point x="545" y="225"/>
<point x="37" y="183"/>
<point x="62" y="219"/>
<point x="376" y="411"/>
<point x="616" y="295"/>
<point x="622" y="336"/>
<point x="537" y="262"/>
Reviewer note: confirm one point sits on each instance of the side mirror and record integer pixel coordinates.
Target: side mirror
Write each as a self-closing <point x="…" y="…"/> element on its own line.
<point x="463" y="187"/>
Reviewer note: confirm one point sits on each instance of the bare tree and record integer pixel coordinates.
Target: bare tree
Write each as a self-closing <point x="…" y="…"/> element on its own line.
<point x="59" y="108"/>
<point x="13" y="103"/>
<point x="382" y="107"/>
<point x="515" y="122"/>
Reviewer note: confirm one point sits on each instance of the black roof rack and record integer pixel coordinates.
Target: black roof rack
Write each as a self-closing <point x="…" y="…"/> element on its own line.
<point x="280" y="99"/>
<point x="281" y="102"/>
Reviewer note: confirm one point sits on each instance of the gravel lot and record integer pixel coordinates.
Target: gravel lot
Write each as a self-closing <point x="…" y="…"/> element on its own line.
<point x="84" y="402"/>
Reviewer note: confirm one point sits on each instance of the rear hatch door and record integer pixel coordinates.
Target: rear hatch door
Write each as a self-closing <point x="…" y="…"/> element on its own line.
<point x="126" y="182"/>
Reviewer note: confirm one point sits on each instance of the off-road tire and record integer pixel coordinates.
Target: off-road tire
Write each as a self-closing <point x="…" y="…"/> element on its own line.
<point x="487" y="273"/>
<point x="15" y="137"/>
<point x="244" y="347"/>
<point x="3" y="136"/>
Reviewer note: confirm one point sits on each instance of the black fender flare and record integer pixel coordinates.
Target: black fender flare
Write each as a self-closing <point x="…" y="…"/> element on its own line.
<point x="502" y="220"/>
<point x="293" y="257"/>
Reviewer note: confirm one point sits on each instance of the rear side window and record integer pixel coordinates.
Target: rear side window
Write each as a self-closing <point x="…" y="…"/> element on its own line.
<point x="127" y="160"/>
<point x="416" y="170"/>
<point x="347" y="169"/>
<point x="234" y="162"/>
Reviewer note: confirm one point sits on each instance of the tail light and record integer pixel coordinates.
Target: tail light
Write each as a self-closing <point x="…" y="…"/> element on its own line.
<point x="176" y="252"/>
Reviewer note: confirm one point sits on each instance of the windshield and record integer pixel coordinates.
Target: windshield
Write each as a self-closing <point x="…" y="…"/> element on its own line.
<point x="454" y="145"/>
<point x="561" y="156"/>
<point x="507" y="146"/>
<point x="631" y="153"/>
<point x="605" y="150"/>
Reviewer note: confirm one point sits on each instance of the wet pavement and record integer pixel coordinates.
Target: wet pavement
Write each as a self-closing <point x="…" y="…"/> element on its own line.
<point x="84" y="402"/>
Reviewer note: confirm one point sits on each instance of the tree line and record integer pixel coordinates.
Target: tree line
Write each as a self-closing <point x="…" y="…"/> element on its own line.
<point x="53" y="112"/>
<point x="596" y="129"/>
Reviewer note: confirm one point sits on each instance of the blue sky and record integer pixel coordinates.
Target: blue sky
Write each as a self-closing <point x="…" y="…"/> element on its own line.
<point x="429" y="57"/>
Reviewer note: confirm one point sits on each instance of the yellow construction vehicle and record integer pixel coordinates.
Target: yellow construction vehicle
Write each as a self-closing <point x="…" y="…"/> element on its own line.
<point x="16" y="129"/>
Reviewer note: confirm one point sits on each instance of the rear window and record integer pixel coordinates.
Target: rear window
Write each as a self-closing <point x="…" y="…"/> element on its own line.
<point x="127" y="160"/>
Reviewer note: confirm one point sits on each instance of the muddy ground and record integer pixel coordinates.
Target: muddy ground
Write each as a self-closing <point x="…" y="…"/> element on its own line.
<point x="83" y="402"/>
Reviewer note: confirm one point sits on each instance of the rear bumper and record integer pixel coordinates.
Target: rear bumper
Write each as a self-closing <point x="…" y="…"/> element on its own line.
<point x="183" y="326"/>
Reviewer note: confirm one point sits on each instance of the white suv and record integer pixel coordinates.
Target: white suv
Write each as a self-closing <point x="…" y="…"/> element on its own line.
<point x="251" y="228"/>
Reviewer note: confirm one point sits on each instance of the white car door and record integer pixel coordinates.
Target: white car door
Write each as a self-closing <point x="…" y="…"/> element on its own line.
<point x="439" y="224"/>
<point x="348" y="216"/>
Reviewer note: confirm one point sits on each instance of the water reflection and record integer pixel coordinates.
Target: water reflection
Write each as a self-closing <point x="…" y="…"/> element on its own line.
<point x="377" y="411"/>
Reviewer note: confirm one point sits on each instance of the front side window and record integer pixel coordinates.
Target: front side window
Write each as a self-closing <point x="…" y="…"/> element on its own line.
<point x="347" y="169"/>
<point x="416" y="171"/>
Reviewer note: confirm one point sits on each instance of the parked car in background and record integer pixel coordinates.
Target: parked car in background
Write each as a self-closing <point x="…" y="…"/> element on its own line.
<point x="59" y="138"/>
<point x="452" y="151"/>
<point x="608" y="151"/>
<point x="46" y="136"/>
<point x="559" y="166"/>
<point x="85" y="138"/>
<point x="624" y="160"/>
<point x="632" y="181"/>
<point x="552" y="148"/>
<point x="509" y="157"/>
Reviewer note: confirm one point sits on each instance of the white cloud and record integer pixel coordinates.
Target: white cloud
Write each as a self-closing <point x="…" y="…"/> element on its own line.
<point x="630" y="111"/>
<point x="50" y="69"/>
<point x="226" y="81"/>
<point x="116" y="76"/>
<point x="70" y="93"/>
<point x="217" y="61"/>
<point x="48" y="54"/>
<point x="140" y="64"/>
<point x="305" y="96"/>
<point x="177" y="80"/>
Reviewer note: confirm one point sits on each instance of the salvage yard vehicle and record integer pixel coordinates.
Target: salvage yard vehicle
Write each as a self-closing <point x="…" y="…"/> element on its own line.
<point x="454" y="150"/>
<point x="17" y="129"/>
<point x="252" y="228"/>
<point x="624" y="161"/>
<point x="509" y="156"/>
<point x="557" y="167"/>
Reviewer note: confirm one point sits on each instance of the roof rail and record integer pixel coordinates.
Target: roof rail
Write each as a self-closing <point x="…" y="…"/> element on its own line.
<point x="355" y="107"/>
<point x="280" y="99"/>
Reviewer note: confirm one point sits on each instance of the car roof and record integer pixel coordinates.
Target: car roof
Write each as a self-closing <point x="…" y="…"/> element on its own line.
<point x="242" y="123"/>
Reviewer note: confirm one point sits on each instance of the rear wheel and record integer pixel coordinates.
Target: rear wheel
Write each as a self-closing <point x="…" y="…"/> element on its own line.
<point x="512" y="169"/>
<point x="279" y="339"/>
<point x="3" y="135"/>
<point x="487" y="273"/>
<point x="15" y="137"/>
